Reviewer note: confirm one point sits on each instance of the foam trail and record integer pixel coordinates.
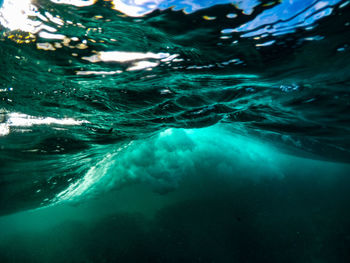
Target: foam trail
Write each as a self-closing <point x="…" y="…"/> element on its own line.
<point x="164" y="160"/>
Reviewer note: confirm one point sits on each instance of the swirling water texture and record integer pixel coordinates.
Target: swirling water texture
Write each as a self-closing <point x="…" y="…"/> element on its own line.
<point x="82" y="79"/>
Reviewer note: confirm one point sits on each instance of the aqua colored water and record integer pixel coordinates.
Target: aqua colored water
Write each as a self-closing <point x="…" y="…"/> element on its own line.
<point x="174" y="131"/>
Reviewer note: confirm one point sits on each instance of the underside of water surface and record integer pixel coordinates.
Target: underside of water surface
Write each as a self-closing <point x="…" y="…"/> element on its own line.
<point x="174" y="131"/>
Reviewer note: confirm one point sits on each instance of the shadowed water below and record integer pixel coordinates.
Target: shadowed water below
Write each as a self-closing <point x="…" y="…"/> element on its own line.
<point x="300" y="217"/>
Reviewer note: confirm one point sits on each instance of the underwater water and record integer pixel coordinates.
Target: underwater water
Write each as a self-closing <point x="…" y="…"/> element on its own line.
<point x="174" y="131"/>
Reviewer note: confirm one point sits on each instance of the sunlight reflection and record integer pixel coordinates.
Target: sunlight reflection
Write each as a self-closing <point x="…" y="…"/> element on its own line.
<point x="24" y="16"/>
<point x="137" y="8"/>
<point x="14" y="15"/>
<point x="138" y="59"/>
<point x="120" y="56"/>
<point x="287" y="17"/>
<point x="79" y="3"/>
<point x="20" y="119"/>
<point x="16" y="119"/>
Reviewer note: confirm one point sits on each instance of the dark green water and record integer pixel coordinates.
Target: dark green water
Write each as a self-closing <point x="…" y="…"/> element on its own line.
<point x="174" y="131"/>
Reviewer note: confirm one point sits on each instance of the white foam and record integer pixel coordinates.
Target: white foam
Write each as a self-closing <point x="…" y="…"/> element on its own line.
<point x="166" y="159"/>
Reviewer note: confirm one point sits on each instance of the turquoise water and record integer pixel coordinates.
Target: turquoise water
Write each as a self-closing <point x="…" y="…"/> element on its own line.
<point x="174" y="131"/>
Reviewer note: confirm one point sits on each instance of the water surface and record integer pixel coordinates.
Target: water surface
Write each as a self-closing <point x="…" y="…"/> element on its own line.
<point x="201" y="131"/>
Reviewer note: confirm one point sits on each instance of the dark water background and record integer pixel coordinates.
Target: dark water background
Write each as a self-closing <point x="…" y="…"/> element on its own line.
<point x="174" y="131"/>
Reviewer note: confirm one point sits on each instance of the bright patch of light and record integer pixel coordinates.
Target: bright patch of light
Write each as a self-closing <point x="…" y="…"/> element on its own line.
<point x="120" y="56"/>
<point x="24" y="16"/>
<point x="45" y="46"/>
<point x="167" y="132"/>
<point x="138" y="59"/>
<point x="55" y="20"/>
<point x="47" y="35"/>
<point x="139" y="65"/>
<point x="79" y="3"/>
<point x="4" y="129"/>
<point x="286" y="17"/>
<point x="14" y="15"/>
<point x="137" y="8"/>
<point x="19" y="119"/>
<point x="22" y="120"/>
<point x="268" y="43"/>
<point x="88" y="72"/>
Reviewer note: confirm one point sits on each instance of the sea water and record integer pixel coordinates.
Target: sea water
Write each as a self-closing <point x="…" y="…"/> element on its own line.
<point x="174" y="131"/>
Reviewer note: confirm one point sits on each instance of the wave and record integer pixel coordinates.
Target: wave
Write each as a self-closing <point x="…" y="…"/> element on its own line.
<point x="81" y="80"/>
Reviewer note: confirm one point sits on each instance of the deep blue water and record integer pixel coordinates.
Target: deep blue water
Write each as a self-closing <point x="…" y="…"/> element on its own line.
<point x="174" y="131"/>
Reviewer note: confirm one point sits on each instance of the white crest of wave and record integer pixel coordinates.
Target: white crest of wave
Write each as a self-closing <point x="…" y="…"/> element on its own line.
<point x="166" y="159"/>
